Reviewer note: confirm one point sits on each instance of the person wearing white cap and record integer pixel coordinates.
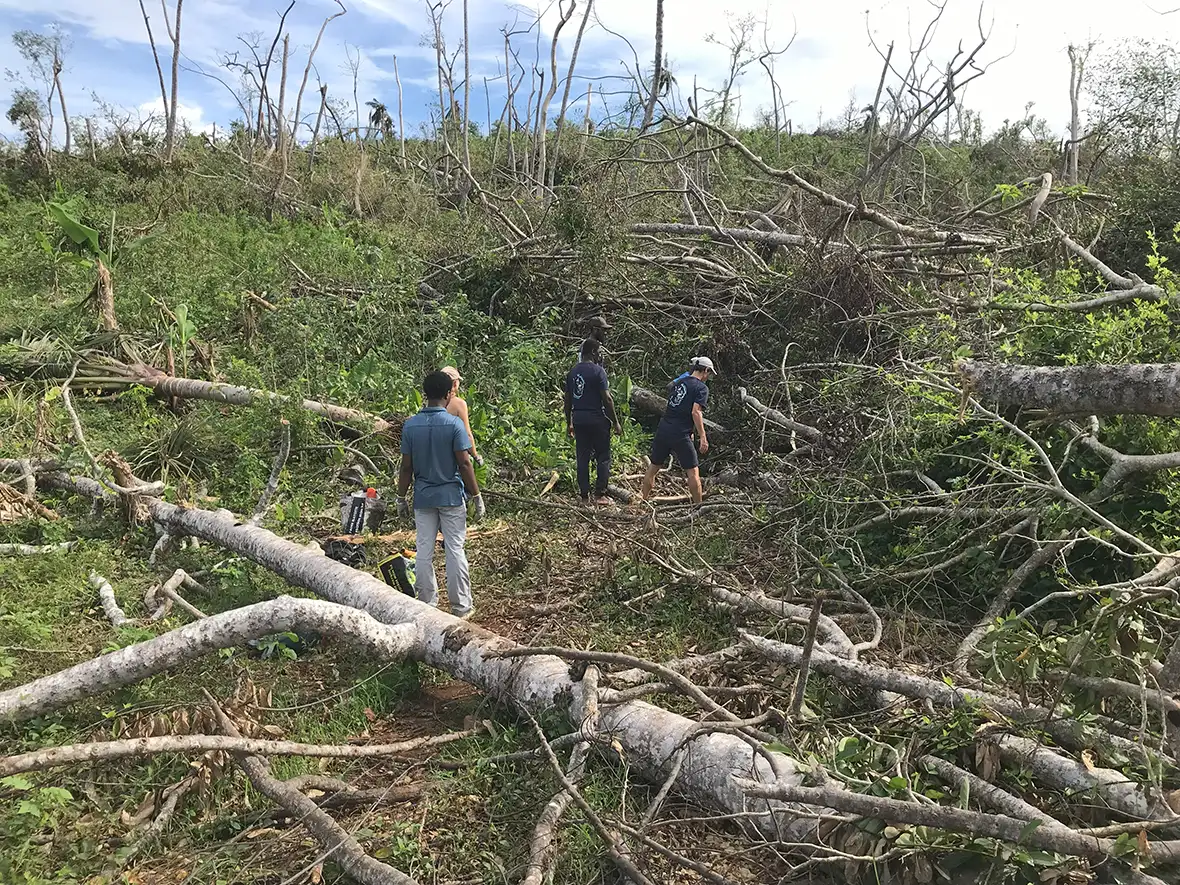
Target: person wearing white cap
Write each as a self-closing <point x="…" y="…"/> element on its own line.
<point x="458" y="407"/>
<point x="685" y="412"/>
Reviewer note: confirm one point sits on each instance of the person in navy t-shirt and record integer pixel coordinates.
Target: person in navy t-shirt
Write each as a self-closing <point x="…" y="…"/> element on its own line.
<point x="687" y="397"/>
<point x="589" y="416"/>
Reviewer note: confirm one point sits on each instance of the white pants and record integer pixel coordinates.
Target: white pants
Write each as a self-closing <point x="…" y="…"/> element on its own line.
<point x="453" y="522"/>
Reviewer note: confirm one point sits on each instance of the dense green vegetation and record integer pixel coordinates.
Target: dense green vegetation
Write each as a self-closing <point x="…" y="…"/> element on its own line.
<point x="346" y="275"/>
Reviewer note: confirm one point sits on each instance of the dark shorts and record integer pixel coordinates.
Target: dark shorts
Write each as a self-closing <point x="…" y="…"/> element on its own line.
<point x="671" y="442"/>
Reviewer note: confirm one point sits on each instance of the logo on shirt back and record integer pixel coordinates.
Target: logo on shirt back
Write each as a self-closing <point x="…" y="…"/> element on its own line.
<point x="679" y="392"/>
<point x="579" y="386"/>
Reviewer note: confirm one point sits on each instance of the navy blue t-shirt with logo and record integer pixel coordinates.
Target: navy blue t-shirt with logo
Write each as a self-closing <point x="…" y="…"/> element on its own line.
<point x="586" y="384"/>
<point x="683" y="394"/>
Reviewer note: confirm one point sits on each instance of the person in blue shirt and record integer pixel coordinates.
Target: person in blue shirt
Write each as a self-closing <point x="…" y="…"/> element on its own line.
<point x="436" y="458"/>
<point x="589" y="417"/>
<point x="685" y="412"/>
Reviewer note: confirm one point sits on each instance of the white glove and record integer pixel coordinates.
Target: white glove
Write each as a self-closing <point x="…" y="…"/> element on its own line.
<point x="403" y="508"/>
<point x="479" y="460"/>
<point x="480" y="509"/>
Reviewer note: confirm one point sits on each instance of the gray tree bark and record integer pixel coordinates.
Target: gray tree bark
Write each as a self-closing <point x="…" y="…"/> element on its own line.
<point x="174" y="34"/>
<point x="194" y="388"/>
<point x="649" y="735"/>
<point x="1144" y="389"/>
<point x="134" y="663"/>
<point x="657" y="71"/>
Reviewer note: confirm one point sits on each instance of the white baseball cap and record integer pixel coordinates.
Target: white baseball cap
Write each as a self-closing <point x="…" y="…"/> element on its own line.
<point x="703" y="362"/>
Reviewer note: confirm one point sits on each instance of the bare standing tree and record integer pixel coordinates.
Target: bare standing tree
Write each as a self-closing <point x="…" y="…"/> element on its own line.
<point x="156" y="57"/>
<point x="61" y="96"/>
<point x="1078" y="56"/>
<point x="174" y="36"/>
<point x="307" y="72"/>
<point x="565" y="96"/>
<point x="401" y="123"/>
<point x="466" y="90"/>
<point x="741" y="56"/>
<point x="436" y="15"/>
<point x="657" y="70"/>
<point x="767" y="59"/>
<point x="362" y="160"/>
<point x="32" y="109"/>
<point x="543" y="108"/>
<point x="319" y="119"/>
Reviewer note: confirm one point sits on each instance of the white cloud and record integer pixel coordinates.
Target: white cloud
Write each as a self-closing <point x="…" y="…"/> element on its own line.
<point x="830" y="61"/>
<point x="191" y="115"/>
<point x="832" y="54"/>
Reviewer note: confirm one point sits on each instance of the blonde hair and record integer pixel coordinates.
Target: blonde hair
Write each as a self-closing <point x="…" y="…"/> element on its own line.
<point x="452" y="373"/>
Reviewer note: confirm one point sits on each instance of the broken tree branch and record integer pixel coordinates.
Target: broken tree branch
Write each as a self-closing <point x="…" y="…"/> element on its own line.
<point x="774" y="416"/>
<point x="106" y="595"/>
<point x="340" y="844"/>
<point x="95" y="752"/>
<point x="272" y="482"/>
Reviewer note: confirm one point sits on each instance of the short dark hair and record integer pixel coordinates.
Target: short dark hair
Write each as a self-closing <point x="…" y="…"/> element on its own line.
<point x="437" y="385"/>
<point x="591" y="349"/>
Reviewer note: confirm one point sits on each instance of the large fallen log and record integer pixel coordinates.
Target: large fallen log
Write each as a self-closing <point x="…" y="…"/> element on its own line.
<point x="720" y="769"/>
<point x="134" y="663"/>
<point x="650" y="736"/>
<point x="107" y="372"/>
<point x="651" y="403"/>
<point x="194" y="388"/>
<point x="1143" y="389"/>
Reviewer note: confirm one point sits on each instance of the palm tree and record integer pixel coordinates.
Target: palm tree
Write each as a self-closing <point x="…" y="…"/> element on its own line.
<point x="379" y="118"/>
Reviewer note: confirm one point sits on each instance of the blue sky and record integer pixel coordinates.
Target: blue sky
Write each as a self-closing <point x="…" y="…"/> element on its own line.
<point x="829" y="63"/>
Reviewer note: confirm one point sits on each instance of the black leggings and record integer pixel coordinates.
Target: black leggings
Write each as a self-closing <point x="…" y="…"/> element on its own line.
<point x="592" y="442"/>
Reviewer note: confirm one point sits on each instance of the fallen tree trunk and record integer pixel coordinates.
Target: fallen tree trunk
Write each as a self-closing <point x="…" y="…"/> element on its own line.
<point x="1069" y="732"/>
<point x="1144" y="389"/>
<point x="134" y="663"/>
<point x="35" y="549"/>
<point x="651" y="403"/>
<point x="650" y="736"/>
<point x="212" y="391"/>
<point x="1044" y="834"/>
<point x="108" y="372"/>
<point x="1107" y="786"/>
<point x="732" y="235"/>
